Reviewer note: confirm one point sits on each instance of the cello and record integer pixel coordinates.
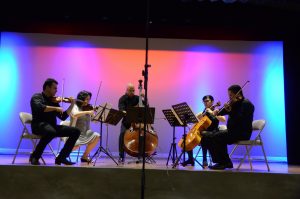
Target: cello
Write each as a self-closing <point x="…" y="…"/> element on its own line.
<point x="193" y="137"/>
<point x="132" y="135"/>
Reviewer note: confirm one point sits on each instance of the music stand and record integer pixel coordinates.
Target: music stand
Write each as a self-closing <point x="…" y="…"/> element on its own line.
<point x="113" y="117"/>
<point x="137" y="115"/>
<point x="173" y="121"/>
<point x="186" y="115"/>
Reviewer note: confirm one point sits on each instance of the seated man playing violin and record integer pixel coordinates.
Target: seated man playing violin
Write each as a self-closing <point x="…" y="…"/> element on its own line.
<point x="45" y="109"/>
<point x="239" y="127"/>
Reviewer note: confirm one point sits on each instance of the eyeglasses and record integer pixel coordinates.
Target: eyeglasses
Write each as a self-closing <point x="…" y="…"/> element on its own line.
<point x="206" y="101"/>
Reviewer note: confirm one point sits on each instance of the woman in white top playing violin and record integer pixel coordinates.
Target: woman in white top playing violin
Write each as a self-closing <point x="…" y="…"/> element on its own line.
<point x="81" y="117"/>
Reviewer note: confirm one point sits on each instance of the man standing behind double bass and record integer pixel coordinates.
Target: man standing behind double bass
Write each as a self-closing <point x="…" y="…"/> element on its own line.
<point x="129" y="99"/>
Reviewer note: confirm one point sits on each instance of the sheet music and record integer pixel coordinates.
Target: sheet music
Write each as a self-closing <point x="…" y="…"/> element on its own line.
<point x="177" y="117"/>
<point x="107" y="107"/>
<point x="183" y="110"/>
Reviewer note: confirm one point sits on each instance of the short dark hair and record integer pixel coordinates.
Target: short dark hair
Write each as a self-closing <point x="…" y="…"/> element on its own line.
<point x="211" y="98"/>
<point x="49" y="82"/>
<point x="235" y="89"/>
<point x="82" y="95"/>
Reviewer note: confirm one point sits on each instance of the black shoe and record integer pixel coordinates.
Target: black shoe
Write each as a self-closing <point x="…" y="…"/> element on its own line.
<point x="85" y="160"/>
<point x="204" y="163"/>
<point x="217" y="166"/>
<point x="63" y="161"/>
<point x="185" y="163"/>
<point x="34" y="161"/>
<point x="229" y="165"/>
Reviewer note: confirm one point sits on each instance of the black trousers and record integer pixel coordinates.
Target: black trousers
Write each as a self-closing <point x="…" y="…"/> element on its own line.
<point x="204" y="153"/>
<point x="121" y="141"/>
<point x="217" y="144"/>
<point x="48" y="132"/>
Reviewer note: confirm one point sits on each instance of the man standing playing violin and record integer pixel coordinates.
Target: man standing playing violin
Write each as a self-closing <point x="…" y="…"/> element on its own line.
<point x="239" y="127"/>
<point x="45" y="109"/>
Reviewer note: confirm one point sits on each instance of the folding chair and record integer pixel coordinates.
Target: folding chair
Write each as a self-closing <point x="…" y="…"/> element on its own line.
<point x="64" y="139"/>
<point x="26" y="119"/>
<point x="257" y="125"/>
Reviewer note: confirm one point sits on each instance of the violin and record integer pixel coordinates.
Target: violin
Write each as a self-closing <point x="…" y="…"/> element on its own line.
<point x="237" y="97"/>
<point x="55" y="99"/>
<point x="89" y="107"/>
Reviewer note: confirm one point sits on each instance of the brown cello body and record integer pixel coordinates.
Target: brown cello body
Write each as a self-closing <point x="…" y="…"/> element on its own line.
<point x="193" y="137"/>
<point x="131" y="141"/>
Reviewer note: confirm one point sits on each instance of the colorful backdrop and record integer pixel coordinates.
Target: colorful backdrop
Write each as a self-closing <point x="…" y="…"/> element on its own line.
<point x="181" y="71"/>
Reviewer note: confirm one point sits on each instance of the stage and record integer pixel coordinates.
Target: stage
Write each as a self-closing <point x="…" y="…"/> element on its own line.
<point x="107" y="180"/>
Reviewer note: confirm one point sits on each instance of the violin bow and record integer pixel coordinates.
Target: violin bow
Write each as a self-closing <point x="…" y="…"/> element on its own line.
<point x="97" y="94"/>
<point x="62" y="92"/>
<point x="235" y="95"/>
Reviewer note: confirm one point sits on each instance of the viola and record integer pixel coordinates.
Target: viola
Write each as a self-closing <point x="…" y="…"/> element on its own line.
<point x="228" y="105"/>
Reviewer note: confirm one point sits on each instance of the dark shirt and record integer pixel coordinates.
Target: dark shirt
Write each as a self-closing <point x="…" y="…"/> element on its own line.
<point x="124" y="102"/>
<point x="239" y="124"/>
<point x="38" y="103"/>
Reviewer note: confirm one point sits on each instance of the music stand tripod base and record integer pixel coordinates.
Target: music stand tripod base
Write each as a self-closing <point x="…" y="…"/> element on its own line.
<point x="112" y="117"/>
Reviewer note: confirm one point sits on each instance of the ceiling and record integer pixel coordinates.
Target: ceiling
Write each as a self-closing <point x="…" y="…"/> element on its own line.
<point x="176" y="18"/>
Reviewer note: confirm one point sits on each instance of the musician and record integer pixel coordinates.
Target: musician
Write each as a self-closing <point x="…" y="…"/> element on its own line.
<point x="208" y="102"/>
<point x="239" y="127"/>
<point x="81" y="118"/>
<point x="129" y="99"/>
<point x="45" y="109"/>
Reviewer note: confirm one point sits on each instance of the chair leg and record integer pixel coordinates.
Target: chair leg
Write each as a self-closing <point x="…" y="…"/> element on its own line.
<point x="241" y="162"/>
<point x="249" y="158"/>
<point x="78" y="154"/>
<point x="262" y="146"/>
<point x="17" y="151"/>
<point x="198" y="152"/>
<point x="51" y="149"/>
<point x="58" y="148"/>
<point x="197" y="155"/>
<point x="233" y="150"/>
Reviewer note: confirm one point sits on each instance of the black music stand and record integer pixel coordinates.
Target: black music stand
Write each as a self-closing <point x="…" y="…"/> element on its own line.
<point x="137" y="115"/>
<point x="173" y="121"/>
<point x="113" y="117"/>
<point x="187" y="116"/>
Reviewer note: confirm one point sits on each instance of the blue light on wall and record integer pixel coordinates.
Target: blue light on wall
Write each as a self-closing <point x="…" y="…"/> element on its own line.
<point x="8" y="82"/>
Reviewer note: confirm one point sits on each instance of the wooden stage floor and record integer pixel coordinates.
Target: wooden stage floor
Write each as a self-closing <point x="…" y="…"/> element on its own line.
<point x="160" y="163"/>
<point x="108" y="180"/>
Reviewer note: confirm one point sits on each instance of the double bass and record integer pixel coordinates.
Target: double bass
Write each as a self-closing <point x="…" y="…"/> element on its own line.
<point x="193" y="137"/>
<point x="132" y="138"/>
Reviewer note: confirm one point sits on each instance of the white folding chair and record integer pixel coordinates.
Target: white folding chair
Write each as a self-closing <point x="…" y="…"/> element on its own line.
<point x="257" y="125"/>
<point x="26" y="119"/>
<point x="64" y="139"/>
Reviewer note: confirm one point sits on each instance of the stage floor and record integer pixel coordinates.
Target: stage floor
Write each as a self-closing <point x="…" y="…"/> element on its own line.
<point x="108" y="180"/>
<point x="160" y="163"/>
